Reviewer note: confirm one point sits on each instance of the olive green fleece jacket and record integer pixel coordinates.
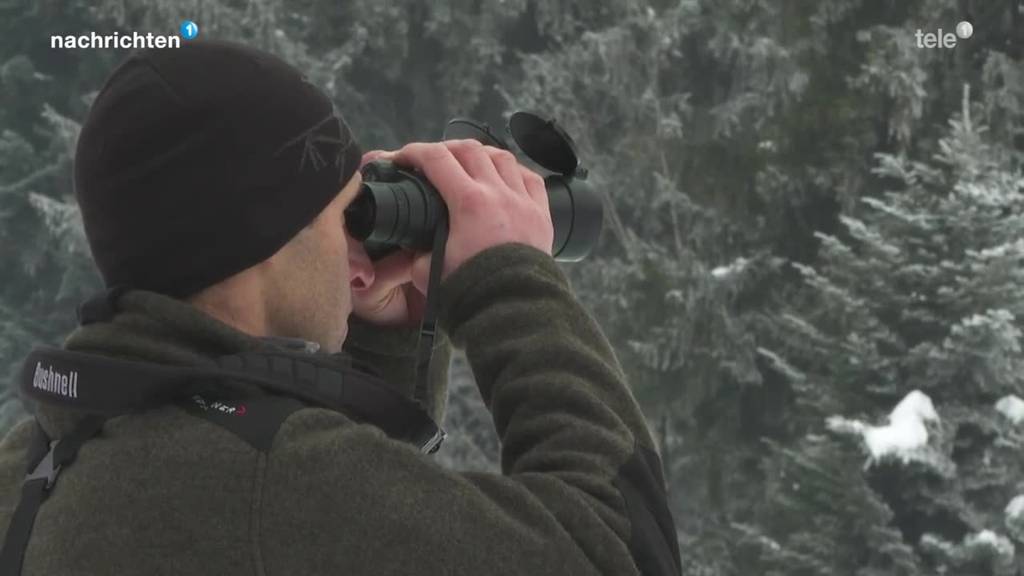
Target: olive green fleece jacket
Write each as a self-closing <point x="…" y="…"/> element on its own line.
<point x="166" y="492"/>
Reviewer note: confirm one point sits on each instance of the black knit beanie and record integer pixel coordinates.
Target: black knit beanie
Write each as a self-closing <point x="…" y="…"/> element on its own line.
<point x="198" y="162"/>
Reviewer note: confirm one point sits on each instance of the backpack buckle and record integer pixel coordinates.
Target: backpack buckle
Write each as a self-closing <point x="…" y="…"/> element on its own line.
<point x="45" y="468"/>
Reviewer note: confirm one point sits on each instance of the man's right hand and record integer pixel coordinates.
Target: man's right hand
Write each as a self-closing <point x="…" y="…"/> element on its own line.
<point x="491" y="198"/>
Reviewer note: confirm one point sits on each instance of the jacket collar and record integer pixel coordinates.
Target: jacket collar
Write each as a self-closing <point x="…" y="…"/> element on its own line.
<point x="152" y="327"/>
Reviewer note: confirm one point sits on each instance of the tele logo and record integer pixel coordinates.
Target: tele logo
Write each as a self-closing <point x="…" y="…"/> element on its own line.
<point x="940" y="39"/>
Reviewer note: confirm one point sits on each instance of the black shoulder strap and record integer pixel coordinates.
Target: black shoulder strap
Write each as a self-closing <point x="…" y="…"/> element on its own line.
<point x="106" y="385"/>
<point x="45" y="461"/>
<point x="254" y="420"/>
<point x="103" y="387"/>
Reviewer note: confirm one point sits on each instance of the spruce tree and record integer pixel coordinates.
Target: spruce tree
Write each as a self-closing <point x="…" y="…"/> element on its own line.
<point x="908" y="350"/>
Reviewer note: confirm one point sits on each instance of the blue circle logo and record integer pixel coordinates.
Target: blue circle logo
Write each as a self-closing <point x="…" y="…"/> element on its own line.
<point x="189" y="30"/>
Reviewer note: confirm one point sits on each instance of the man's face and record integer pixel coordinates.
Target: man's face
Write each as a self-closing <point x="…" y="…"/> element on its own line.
<point x="311" y="278"/>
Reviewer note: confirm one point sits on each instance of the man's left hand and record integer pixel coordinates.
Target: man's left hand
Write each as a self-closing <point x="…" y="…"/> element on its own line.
<point x="397" y="295"/>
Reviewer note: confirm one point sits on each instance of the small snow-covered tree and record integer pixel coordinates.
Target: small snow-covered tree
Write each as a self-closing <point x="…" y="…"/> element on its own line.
<point x="909" y="350"/>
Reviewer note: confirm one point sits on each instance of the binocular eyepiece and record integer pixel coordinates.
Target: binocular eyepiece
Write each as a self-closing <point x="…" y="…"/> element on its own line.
<point x="400" y="208"/>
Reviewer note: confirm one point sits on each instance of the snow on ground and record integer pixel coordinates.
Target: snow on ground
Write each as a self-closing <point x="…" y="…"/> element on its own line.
<point x="903" y="436"/>
<point x="1012" y="407"/>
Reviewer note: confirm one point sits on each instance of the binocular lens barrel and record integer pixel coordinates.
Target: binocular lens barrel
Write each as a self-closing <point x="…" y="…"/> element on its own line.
<point x="394" y="213"/>
<point x="404" y="213"/>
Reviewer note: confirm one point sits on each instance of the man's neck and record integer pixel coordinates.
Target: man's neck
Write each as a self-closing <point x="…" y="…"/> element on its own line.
<point x="153" y="327"/>
<point x="238" y="304"/>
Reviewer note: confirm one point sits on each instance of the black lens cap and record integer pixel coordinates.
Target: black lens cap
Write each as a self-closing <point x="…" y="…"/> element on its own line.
<point x="546" y="143"/>
<point x="466" y="129"/>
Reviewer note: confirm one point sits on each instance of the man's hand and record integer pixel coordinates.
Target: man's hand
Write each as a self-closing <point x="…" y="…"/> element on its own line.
<point x="391" y="299"/>
<point x="491" y="200"/>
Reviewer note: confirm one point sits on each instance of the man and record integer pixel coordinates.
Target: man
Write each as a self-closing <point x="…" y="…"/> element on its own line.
<point x="213" y="182"/>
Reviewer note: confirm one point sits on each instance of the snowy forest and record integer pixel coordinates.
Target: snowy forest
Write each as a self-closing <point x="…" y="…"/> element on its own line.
<point x="812" y="263"/>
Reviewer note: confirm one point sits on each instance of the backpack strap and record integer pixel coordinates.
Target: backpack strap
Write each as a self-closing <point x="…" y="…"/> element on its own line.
<point x="45" y="459"/>
<point x="255" y="420"/>
<point x="106" y="385"/>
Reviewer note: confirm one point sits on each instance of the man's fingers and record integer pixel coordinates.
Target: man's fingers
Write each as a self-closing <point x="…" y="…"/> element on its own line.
<point x="439" y="165"/>
<point x="486" y="199"/>
<point x="391" y="271"/>
<point x="535" y="187"/>
<point x="415" y="302"/>
<point x="372" y="155"/>
<point x="476" y="160"/>
<point x="421" y="272"/>
<point x="508" y="167"/>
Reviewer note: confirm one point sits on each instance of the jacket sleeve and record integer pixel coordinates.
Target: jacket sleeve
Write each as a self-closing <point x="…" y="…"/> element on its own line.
<point x="581" y="490"/>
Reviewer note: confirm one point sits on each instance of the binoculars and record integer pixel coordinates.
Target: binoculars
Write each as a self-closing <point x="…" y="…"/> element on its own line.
<point x="399" y="207"/>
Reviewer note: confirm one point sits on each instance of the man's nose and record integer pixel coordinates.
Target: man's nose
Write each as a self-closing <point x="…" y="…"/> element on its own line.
<point x="360" y="267"/>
